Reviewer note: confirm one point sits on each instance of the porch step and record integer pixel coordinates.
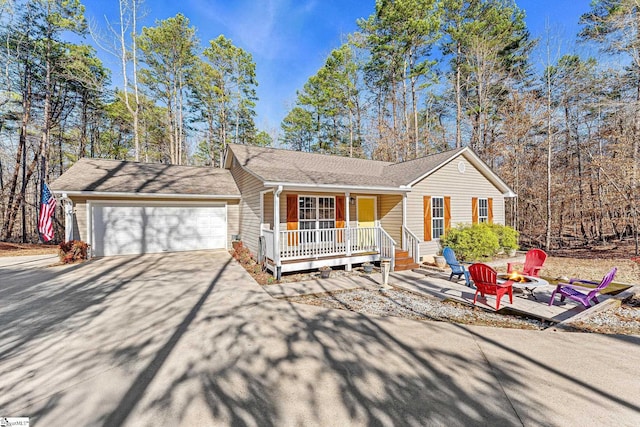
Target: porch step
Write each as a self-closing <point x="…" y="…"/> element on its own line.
<point x="402" y="254"/>
<point x="411" y="266"/>
<point x="404" y="261"/>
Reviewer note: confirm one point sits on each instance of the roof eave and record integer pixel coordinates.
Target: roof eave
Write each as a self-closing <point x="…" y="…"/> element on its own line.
<point x="126" y="195"/>
<point x="336" y="187"/>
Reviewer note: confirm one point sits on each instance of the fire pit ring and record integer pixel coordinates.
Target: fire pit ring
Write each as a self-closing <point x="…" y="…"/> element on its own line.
<point x="526" y="283"/>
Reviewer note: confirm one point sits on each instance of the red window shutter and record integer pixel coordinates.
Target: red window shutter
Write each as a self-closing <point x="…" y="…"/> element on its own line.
<point x="427" y="218"/>
<point x="474" y="210"/>
<point x="447" y="213"/>
<point x="292" y="217"/>
<point x="340" y="214"/>
<point x="490" y="210"/>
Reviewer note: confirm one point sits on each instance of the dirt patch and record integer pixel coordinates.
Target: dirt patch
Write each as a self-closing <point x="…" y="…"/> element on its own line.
<point x="592" y="269"/>
<point x="615" y="249"/>
<point x="24" y="249"/>
<point x="588" y="268"/>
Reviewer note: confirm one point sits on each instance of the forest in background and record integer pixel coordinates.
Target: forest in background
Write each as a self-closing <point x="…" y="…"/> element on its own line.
<point x="418" y="77"/>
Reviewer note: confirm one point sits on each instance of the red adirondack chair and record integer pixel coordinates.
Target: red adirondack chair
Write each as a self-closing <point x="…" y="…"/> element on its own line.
<point x="485" y="279"/>
<point x="533" y="262"/>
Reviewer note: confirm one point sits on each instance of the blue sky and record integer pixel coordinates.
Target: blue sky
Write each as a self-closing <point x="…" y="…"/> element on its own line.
<point x="290" y="39"/>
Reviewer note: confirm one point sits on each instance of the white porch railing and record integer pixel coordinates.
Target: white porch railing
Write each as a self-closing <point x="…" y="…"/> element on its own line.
<point x="299" y="244"/>
<point x="411" y="243"/>
<point x="387" y="247"/>
<point x="328" y="242"/>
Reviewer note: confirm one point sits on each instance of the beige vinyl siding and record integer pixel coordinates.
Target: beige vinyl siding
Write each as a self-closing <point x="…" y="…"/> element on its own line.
<point x="390" y="214"/>
<point x="233" y="220"/>
<point x="461" y="187"/>
<point x="80" y="219"/>
<point x="250" y="188"/>
<point x="268" y="209"/>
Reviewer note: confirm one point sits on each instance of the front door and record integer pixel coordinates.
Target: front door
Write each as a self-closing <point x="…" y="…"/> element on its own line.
<point x="366" y="222"/>
<point x="366" y="212"/>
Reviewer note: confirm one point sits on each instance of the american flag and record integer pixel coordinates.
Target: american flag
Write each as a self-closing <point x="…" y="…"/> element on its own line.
<point x="47" y="208"/>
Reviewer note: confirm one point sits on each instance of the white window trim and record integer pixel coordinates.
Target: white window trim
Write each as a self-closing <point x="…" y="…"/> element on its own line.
<point x="433" y="218"/>
<point x="486" y="217"/>
<point x="317" y="220"/>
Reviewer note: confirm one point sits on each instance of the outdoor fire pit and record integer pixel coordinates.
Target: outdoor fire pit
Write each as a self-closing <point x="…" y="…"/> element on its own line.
<point x="527" y="284"/>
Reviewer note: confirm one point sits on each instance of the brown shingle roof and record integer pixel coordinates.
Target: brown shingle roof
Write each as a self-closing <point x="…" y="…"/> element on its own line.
<point x="278" y="165"/>
<point x="132" y="177"/>
<point x="296" y="167"/>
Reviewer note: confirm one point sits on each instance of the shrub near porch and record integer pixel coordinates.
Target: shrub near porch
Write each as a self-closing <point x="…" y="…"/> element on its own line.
<point x="479" y="241"/>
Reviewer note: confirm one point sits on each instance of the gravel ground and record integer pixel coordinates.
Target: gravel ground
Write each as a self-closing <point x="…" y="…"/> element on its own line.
<point x="406" y="304"/>
<point x="315" y="274"/>
<point x="622" y="320"/>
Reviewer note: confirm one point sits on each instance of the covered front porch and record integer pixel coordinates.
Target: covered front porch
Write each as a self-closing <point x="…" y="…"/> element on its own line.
<point x="303" y="230"/>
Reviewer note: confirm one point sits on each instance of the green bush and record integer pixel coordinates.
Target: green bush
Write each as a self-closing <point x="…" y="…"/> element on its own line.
<point x="507" y="236"/>
<point x="471" y="242"/>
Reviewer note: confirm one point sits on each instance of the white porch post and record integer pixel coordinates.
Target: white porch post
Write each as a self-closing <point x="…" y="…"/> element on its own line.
<point x="276" y="231"/>
<point x="404" y="221"/>
<point x="347" y="203"/>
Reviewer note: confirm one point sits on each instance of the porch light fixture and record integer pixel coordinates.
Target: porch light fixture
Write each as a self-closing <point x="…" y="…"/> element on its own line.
<point x="352" y="200"/>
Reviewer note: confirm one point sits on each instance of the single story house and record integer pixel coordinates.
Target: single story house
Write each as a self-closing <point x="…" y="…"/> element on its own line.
<point x="293" y="210"/>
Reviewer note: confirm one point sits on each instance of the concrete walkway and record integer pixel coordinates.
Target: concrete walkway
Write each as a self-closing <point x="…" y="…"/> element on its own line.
<point x="189" y="339"/>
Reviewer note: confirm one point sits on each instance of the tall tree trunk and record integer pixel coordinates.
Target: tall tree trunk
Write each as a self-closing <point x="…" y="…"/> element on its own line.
<point x="124" y="58"/>
<point x="458" y="90"/>
<point x="547" y="243"/>
<point x="634" y="164"/>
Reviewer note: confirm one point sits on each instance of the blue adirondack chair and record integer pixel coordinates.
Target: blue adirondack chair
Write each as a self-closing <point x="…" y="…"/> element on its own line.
<point x="457" y="269"/>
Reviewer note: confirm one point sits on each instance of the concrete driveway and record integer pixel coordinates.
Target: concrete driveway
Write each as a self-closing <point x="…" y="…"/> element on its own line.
<point x="189" y="339"/>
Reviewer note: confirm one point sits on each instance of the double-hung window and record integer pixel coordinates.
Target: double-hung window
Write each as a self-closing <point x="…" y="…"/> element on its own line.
<point x="483" y="210"/>
<point x="437" y="217"/>
<point x="316" y="213"/>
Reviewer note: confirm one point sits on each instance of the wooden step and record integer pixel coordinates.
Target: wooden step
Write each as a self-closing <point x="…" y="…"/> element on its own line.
<point x="410" y="266"/>
<point x="404" y="261"/>
<point x="401" y="254"/>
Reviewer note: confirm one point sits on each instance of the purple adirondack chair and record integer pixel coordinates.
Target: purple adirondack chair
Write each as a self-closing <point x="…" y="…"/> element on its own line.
<point x="572" y="289"/>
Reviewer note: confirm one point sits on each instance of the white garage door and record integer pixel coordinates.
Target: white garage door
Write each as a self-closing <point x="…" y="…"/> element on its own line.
<point x="149" y="228"/>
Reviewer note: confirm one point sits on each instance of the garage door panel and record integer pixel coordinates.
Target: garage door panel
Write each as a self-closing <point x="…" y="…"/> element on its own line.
<point x="120" y="229"/>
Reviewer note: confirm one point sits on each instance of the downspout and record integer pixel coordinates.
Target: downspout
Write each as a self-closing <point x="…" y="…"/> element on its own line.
<point x="276" y="231"/>
<point x="68" y="217"/>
